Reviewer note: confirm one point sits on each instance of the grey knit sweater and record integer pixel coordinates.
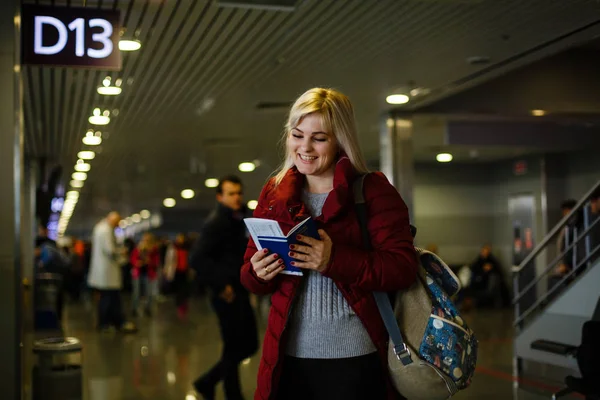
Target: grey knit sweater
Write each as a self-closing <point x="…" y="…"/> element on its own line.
<point x="322" y="324"/>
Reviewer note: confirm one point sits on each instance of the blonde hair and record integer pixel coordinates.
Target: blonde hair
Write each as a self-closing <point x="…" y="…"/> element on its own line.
<point x="337" y="117"/>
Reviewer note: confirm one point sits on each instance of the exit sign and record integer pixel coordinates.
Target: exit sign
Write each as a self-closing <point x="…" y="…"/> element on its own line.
<point x="520" y="168"/>
<point x="70" y="36"/>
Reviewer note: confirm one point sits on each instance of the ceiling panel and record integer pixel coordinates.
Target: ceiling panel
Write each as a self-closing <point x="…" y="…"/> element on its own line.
<point x="188" y="107"/>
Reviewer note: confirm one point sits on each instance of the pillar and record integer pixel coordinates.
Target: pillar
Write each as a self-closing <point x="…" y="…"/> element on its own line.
<point x="396" y="156"/>
<point x="11" y="151"/>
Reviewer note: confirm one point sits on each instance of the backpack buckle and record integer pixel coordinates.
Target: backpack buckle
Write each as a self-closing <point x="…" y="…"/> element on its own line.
<point x="403" y="354"/>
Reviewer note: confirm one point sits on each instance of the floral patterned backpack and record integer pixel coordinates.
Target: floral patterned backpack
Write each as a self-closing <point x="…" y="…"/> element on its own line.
<point x="432" y="351"/>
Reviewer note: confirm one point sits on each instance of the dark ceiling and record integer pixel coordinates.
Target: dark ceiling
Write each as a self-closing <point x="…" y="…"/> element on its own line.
<point x="189" y="108"/>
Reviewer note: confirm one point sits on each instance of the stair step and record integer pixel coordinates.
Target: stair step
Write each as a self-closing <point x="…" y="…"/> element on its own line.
<point x="548" y="327"/>
<point x="554" y="347"/>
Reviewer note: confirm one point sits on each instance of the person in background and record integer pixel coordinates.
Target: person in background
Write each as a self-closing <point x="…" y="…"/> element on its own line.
<point x="145" y="260"/>
<point x="74" y="273"/>
<point x="178" y="273"/>
<point x="217" y="258"/>
<point x="50" y="259"/>
<point x="163" y="246"/>
<point x="487" y="286"/>
<point x="335" y="344"/>
<point x="127" y="267"/>
<point x="198" y="288"/>
<point x="105" y="275"/>
<point x="565" y="240"/>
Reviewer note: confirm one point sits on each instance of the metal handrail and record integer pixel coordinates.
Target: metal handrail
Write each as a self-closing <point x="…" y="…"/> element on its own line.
<point x="558" y="285"/>
<point x="561" y="224"/>
<point x="519" y="294"/>
<point x="558" y="258"/>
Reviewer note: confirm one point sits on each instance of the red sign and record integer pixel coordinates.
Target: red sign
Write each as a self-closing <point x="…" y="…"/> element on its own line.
<point x="520" y="168"/>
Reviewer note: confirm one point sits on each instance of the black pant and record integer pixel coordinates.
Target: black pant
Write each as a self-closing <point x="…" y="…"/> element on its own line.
<point x="240" y="341"/>
<point x="357" y="378"/>
<point x="110" y="310"/>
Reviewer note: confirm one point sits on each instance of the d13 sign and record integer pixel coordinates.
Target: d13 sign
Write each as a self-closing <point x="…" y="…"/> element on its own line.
<point x="83" y="37"/>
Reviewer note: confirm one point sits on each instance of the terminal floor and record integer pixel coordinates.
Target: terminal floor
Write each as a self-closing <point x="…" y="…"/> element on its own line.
<point x="166" y="355"/>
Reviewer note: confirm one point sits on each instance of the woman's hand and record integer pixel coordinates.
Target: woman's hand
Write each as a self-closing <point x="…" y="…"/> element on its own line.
<point x="315" y="255"/>
<point x="266" y="267"/>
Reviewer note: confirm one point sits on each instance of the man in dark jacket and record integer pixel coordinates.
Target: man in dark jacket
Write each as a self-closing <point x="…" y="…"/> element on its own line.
<point x="217" y="258"/>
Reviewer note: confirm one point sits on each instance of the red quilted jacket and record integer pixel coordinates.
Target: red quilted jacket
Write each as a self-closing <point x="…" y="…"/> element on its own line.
<point x="392" y="265"/>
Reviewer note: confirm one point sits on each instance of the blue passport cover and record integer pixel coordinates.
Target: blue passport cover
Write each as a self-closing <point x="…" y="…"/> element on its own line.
<point x="281" y="245"/>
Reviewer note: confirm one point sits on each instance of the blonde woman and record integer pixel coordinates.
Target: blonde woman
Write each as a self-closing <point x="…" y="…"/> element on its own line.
<point x="325" y="338"/>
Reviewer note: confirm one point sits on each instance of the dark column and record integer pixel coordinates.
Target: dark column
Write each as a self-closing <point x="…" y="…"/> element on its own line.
<point x="11" y="161"/>
<point x="396" y="156"/>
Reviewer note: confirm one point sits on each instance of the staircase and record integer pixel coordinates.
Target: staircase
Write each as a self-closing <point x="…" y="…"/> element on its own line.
<point x="551" y="307"/>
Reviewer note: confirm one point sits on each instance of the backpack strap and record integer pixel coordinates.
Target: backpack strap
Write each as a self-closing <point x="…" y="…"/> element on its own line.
<point x="383" y="302"/>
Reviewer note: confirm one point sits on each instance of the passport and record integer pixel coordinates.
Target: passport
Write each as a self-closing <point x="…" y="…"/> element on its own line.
<point x="267" y="234"/>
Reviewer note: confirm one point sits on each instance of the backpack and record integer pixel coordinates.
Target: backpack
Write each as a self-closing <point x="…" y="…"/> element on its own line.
<point x="432" y="351"/>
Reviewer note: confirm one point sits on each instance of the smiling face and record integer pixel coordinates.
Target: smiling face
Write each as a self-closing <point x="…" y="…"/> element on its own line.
<point x="312" y="148"/>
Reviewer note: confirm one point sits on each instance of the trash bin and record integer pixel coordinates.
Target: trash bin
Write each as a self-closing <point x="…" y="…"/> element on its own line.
<point x="57" y="373"/>
<point x="47" y="294"/>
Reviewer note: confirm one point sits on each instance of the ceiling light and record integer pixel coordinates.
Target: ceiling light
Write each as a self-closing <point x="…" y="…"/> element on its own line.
<point x="129" y="45"/>
<point x="211" y="183"/>
<point x="538" y="113"/>
<point x="70" y="202"/>
<point x="122" y="224"/>
<point x="72" y="194"/>
<point x="108" y="90"/>
<point x="76" y="184"/>
<point x="92" y="139"/>
<point x="397" y="99"/>
<point x="169" y="202"/>
<point x="86" y="155"/>
<point x="145" y="214"/>
<point x="187" y="193"/>
<point x="136" y="218"/>
<point x="247" y="167"/>
<point x="419" y="91"/>
<point x="79" y="176"/>
<point x="128" y="220"/>
<point x="252" y="204"/>
<point x="444" y="157"/>
<point x="99" y="117"/>
<point x="82" y="166"/>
